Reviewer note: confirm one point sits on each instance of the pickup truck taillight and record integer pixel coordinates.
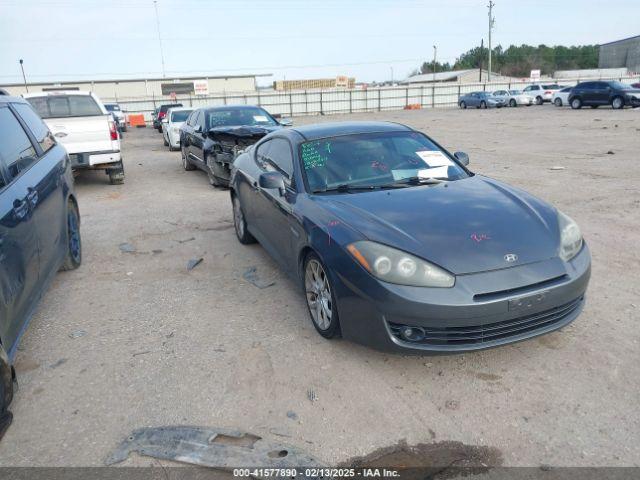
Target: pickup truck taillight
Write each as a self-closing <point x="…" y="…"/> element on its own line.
<point x="113" y="131"/>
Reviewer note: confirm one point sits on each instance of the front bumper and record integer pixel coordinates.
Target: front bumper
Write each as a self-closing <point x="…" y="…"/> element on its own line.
<point x="482" y="310"/>
<point x="632" y="101"/>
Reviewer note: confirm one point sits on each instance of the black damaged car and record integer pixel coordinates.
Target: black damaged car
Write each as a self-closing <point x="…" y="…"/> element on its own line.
<point x="213" y="137"/>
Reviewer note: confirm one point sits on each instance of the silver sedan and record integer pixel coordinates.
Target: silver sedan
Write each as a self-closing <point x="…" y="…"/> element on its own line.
<point x="513" y="98"/>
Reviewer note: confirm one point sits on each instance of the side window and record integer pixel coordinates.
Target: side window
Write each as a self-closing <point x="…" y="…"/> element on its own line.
<point x="262" y="155"/>
<point x="15" y="147"/>
<point x="190" y="119"/>
<point x="280" y="156"/>
<point x="199" y="119"/>
<point x="36" y="125"/>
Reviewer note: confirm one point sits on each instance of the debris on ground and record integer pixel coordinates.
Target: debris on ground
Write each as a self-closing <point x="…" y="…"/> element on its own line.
<point x="292" y="415"/>
<point x="126" y="247"/>
<point x="251" y="276"/>
<point x="610" y="152"/>
<point x="62" y="361"/>
<point x="311" y="395"/>
<point x="77" y="334"/>
<point x="186" y="240"/>
<point x="193" y="263"/>
<point x="557" y="167"/>
<point x="209" y="447"/>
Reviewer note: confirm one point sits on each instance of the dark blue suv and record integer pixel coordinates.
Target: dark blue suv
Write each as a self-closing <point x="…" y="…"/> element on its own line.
<point x="39" y="226"/>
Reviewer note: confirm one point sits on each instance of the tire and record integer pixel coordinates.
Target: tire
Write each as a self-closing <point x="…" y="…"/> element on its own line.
<point x="483" y="104"/>
<point x="116" y="175"/>
<point x="240" y="224"/>
<point x="321" y="302"/>
<point x="576" y="103"/>
<point x="124" y="128"/>
<point x="539" y="100"/>
<point x="73" y="257"/>
<point x="617" y="103"/>
<point x="186" y="164"/>
<point x="164" y="141"/>
<point x="160" y="129"/>
<point x="172" y="148"/>
<point x="463" y="105"/>
<point x="513" y="103"/>
<point x="213" y="180"/>
<point x="557" y="102"/>
<point x="7" y="378"/>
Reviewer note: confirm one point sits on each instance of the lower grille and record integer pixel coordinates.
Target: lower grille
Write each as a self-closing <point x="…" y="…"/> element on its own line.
<point x="489" y="332"/>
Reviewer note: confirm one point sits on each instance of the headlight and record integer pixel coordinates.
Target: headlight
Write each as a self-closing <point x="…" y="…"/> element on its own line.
<point x="396" y="266"/>
<point x="570" y="237"/>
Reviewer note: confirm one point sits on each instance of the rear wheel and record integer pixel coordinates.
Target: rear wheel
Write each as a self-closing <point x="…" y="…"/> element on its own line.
<point x="164" y="141"/>
<point x="463" y="105"/>
<point x="617" y="103"/>
<point x="483" y="104"/>
<point x="240" y="224"/>
<point x="557" y="102"/>
<point x="116" y="175"/>
<point x="513" y="102"/>
<point x="6" y="391"/>
<point x="320" y="299"/>
<point x="73" y="258"/>
<point x="539" y="100"/>
<point x="186" y="164"/>
<point x="576" y="103"/>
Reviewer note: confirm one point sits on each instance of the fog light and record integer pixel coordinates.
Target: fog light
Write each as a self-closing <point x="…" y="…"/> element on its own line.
<point x="412" y="334"/>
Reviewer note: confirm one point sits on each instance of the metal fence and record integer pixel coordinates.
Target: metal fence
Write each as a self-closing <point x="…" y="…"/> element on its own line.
<point x="332" y="101"/>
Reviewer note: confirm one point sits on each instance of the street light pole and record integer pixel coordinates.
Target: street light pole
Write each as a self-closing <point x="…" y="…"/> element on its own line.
<point x="23" y="76"/>
<point x="435" y="53"/>
<point x="491" y="23"/>
<point x="155" y="6"/>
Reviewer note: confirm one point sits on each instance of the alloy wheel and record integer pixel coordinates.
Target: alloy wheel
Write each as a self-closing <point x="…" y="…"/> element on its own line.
<point x="238" y="218"/>
<point x="74" y="236"/>
<point x="318" y="293"/>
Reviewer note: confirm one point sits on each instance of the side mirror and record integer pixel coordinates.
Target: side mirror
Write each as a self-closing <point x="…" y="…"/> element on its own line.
<point x="285" y="122"/>
<point x="272" y="180"/>
<point x="197" y="129"/>
<point x="462" y="157"/>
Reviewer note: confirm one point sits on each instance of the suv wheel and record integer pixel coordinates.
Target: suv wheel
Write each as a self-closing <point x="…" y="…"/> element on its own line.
<point x="557" y="102"/>
<point x="73" y="259"/>
<point x="576" y="103"/>
<point x="539" y="100"/>
<point x="617" y="103"/>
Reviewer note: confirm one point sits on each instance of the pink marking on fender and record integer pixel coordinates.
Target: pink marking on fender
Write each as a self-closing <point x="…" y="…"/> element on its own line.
<point x="479" y="237"/>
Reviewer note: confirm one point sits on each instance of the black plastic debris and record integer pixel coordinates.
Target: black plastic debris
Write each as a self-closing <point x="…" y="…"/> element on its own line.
<point x="126" y="248"/>
<point x="193" y="263"/>
<point x="251" y="276"/>
<point x="77" y="334"/>
<point x="210" y="447"/>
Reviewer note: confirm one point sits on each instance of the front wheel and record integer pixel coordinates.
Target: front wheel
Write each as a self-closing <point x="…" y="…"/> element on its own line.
<point x="240" y="224"/>
<point x="213" y="180"/>
<point x="513" y="103"/>
<point x="483" y="104"/>
<point x="186" y="164"/>
<point x="539" y="101"/>
<point x="6" y="391"/>
<point x="320" y="299"/>
<point x="463" y="105"/>
<point x="617" y="103"/>
<point x="576" y="104"/>
<point x="73" y="257"/>
<point x="557" y="102"/>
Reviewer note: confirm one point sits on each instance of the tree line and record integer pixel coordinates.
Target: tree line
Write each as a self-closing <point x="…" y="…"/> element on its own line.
<point x="518" y="61"/>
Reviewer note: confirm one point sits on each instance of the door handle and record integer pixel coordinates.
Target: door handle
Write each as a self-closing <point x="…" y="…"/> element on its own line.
<point x="32" y="197"/>
<point x="20" y="208"/>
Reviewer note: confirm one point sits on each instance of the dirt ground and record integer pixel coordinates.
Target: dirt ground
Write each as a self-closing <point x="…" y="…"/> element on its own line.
<point x="133" y="339"/>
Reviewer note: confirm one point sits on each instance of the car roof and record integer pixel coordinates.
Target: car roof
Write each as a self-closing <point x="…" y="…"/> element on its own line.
<point x="332" y="129"/>
<point x="53" y="93"/>
<point x="179" y="109"/>
<point x="231" y="107"/>
<point x="9" y="99"/>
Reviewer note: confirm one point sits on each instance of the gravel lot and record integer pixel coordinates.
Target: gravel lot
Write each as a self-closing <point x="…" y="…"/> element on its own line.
<point x="134" y="339"/>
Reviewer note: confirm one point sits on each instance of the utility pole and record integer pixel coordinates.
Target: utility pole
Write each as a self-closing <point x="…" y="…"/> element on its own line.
<point x="492" y="21"/>
<point x="391" y="75"/>
<point x="23" y="76"/>
<point x="155" y="6"/>
<point x="435" y="52"/>
<point x="481" y="54"/>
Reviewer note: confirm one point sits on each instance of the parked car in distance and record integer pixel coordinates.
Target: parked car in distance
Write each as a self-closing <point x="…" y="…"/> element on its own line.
<point x="635" y="85"/>
<point x="513" y="98"/>
<point x="212" y="137"/>
<point x="171" y="124"/>
<point x="118" y="115"/>
<point x="39" y="226"/>
<point x="595" y="94"/>
<point x="541" y="93"/>
<point x="83" y="126"/>
<point x="159" y="113"/>
<point x="480" y="100"/>
<point x="560" y="97"/>
<point x="397" y="245"/>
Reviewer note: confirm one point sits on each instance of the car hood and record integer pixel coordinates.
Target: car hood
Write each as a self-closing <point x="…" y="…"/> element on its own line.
<point x="464" y="226"/>
<point x="245" y="132"/>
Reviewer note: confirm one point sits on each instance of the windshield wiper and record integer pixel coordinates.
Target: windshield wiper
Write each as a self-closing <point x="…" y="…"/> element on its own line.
<point x="419" y="181"/>
<point x="345" y="187"/>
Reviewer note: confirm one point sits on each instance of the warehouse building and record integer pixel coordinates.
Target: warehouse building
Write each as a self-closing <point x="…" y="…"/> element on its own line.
<point x="456" y="76"/>
<point x="318" y="83"/>
<point x="621" y="53"/>
<point x="592" y="73"/>
<point x="115" y="90"/>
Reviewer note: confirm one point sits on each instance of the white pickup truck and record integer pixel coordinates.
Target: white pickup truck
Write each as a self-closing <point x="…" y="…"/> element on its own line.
<point x="80" y="122"/>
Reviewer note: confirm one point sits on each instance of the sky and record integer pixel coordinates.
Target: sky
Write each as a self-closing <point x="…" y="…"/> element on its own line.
<point x="371" y="40"/>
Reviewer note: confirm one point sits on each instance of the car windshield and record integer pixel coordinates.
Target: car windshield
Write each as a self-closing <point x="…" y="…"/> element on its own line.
<point x="57" y="106"/>
<point x="180" y="115"/>
<point x="112" y="108"/>
<point x="515" y="92"/>
<point x="164" y="108"/>
<point x="233" y="117"/>
<point x="620" y="86"/>
<point x="374" y="160"/>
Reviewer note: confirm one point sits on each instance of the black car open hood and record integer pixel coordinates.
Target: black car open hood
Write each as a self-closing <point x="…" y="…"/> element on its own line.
<point x="465" y="226"/>
<point x="251" y="133"/>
